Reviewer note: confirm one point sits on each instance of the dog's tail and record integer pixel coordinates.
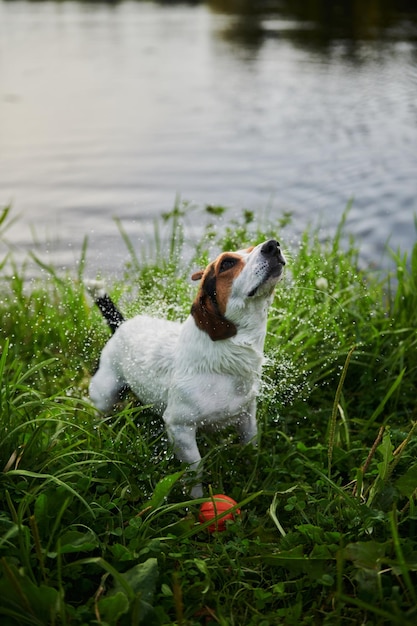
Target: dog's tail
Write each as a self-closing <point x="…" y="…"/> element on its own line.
<point x="106" y="305"/>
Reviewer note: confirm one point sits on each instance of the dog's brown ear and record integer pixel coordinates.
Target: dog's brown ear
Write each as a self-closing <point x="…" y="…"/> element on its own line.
<point x="197" y="275"/>
<point x="205" y="310"/>
<point x="210" y="320"/>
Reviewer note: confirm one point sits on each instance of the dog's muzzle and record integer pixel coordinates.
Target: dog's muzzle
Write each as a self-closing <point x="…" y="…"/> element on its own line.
<point x="273" y="264"/>
<point x="271" y="251"/>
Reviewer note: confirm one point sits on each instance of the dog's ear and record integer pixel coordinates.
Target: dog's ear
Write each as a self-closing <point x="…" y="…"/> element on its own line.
<point x="206" y="314"/>
<point x="211" y="321"/>
<point x="197" y="275"/>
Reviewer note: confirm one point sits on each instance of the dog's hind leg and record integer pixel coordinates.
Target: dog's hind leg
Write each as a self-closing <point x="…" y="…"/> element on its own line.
<point x="105" y="388"/>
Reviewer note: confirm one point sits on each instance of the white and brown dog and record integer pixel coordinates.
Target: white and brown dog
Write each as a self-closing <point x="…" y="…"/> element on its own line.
<point x="205" y="371"/>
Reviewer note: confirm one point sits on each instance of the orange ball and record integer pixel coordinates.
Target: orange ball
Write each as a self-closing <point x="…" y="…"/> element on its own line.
<point x="216" y="506"/>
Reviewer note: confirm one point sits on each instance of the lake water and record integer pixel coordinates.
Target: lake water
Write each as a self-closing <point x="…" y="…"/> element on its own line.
<point x="113" y="109"/>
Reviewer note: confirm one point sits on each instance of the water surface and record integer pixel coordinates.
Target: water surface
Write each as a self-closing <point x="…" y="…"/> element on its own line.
<point x="114" y="109"/>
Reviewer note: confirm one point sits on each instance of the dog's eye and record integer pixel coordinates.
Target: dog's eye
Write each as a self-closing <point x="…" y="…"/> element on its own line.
<point x="227" y="263"/>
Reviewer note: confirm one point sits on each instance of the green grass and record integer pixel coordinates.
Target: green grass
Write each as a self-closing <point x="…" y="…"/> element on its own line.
<point x="95" y="523"/>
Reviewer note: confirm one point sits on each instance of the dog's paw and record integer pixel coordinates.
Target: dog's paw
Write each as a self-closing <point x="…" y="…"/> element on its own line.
<point x="197" y="491"/>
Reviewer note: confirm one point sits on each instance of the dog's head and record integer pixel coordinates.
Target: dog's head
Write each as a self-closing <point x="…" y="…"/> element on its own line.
<point x="233" y="279"/>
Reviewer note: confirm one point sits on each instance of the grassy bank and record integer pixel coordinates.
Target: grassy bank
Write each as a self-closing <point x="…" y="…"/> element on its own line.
<point x="94" y="524"/>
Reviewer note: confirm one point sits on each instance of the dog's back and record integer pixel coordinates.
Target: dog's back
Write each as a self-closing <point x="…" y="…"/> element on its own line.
<point x="141" y="355"/>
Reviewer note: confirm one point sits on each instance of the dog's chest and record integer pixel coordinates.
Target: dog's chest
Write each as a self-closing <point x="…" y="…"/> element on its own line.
<point x="210" y="399"/>
<point x="225" y="397"/>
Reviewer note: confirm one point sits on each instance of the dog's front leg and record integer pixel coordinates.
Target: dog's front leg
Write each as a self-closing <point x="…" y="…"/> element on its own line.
<point x="247" y="426"/>
<point x="186" y="450"/>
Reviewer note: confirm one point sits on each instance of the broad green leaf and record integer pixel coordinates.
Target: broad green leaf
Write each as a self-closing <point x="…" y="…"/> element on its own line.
<point x="162" y="489"/>
<point x="17" y="590"/>
<point x="113" y="607"/>
<point x="322" y="551"/>
<point x="166" y="590"/>
<point x="121" y="553"/>
<point x="296" y="562"/>
<point x="142" y="578"/>
<point x="386" y="450"/>
<point x="75" y="541"/>
<point x="365" y="554"/>
<point x="314" y="533"/>
<point x="407" y="484"/>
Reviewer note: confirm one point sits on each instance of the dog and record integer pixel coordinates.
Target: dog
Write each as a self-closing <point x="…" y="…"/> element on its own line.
<point x="206" y="370"/>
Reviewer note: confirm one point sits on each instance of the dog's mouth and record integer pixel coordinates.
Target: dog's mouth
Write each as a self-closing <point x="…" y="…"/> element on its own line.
<point x="271" y="278"/>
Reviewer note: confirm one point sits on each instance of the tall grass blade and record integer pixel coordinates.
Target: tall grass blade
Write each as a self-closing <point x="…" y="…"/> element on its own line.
<point x="82" y="260"/>
<point x="400" y="556"/>
<point x="129" y="245"/>
<point x="385" y="399"/>
<point x="333" y="418"/>
<point x="57" y="481"/>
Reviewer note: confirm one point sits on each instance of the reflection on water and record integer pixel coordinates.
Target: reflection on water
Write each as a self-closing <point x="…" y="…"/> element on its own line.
<point x="112" y="109"/>
<point x="319" y="23"/>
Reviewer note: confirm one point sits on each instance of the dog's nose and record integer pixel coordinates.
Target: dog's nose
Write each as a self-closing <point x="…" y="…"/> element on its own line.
<point x="272" y="248"/>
